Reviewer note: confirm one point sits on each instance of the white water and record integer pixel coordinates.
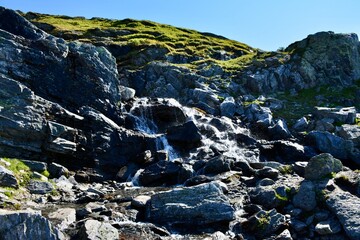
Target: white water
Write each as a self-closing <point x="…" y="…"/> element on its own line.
<point x="144" y="122"/>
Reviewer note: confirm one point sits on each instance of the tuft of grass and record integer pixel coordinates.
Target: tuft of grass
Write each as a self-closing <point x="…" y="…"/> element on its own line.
<point x="45" y="173"/>
<point x="21" y="171"/>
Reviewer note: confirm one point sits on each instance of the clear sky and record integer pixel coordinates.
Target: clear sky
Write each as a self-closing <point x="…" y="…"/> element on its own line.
<point x="264" y="24"/>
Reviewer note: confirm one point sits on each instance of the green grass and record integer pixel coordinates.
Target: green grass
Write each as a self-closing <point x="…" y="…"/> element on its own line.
<point x="20" y="170"/>
<point x="141" y="34"/>
<point x="304" y="102"/>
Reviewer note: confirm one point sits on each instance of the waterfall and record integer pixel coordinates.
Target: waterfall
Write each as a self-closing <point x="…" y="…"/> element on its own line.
<point x="144" y="122"/>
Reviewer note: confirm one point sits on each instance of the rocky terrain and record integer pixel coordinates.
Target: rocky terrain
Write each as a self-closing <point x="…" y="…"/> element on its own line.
<point x="125" y="129"/>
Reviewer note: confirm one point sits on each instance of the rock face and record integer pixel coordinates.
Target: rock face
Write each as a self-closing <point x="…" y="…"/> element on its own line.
<point x="26" y="225"/>
<point x="192" y="206"/>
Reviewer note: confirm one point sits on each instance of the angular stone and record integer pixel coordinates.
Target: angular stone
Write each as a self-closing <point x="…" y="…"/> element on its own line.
<point x="186" y="135"/>
<point x="338" y="115"/>
<point x="330" y="143"/>
<point x="331" y="226"/>
<point x="321" y="166"/>
<point x="25" y="225"/>
<point x="95" y="230"/>
<point x="346" y="208"/>
<point x="7" y="178"/>
<point x="190" y="206"/>
<point x="279" y="131"/>
<point x="63" y="217"/>
<point x="350" y="132"/>
<point x="305" y="198"/>
<point x="56" y="170"/>
<point x="40" y="187"/>
<point x="140" y="201"/>
<point x="35" y="165"/>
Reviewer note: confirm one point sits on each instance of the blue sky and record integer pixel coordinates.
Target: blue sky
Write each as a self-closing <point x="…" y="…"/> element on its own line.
<point x="264" y="24"/>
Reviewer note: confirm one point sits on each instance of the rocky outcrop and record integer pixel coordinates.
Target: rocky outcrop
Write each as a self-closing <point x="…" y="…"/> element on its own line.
<point x="27" y="225"/>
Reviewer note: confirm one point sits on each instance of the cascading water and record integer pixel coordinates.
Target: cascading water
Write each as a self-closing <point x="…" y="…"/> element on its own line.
<point x="144" y="122"/>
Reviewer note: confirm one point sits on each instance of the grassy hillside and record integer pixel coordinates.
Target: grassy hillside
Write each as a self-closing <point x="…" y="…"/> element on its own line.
<point x="198" y="47"/>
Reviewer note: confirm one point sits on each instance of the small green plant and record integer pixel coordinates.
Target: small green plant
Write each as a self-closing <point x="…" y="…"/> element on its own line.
<point x="45" y="173"/>
<point x="263" y="221"/>
<point x="286" y="169"/>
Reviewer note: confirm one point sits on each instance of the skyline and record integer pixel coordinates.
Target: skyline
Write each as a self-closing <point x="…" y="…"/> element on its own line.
<point x="258" y="23"/>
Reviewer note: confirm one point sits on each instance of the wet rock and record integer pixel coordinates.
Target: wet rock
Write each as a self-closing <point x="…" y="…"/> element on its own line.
<point x="95" y="230"/>
<point x="7" y="178"/>
<point x="190" y="206"/>
<point x="27" y="225"/>
<point x="346" y="208"/>
<point x="338" y="115"/>
<point x="217" y="165"/>
<point x="63" y="217"/>
<point x="322" y="166"/>
<point x="305" y="198"/>
<point x="162" y="172"/>
<point x="40" y="187"/>
<point x="186" y="136"/>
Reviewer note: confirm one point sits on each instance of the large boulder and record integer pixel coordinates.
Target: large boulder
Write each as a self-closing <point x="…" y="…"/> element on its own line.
<point x="25" y="225"/>
<point x="346" y="208"/>
<point x="322" y="166"/>
<point x="190" y="206"/>
<point x="350" y="132"/>
<point x="330" y="143"/>
<point x="185" y="136"/>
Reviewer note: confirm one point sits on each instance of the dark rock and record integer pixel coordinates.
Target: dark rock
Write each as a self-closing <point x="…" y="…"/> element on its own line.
<point x="217" y="165"/>
<point x="268" y="172"/>
<point x="39" y="187"/>
<point x="56" y="170"/>
<point x="301" y="125"/>
<point x="35" y="165"/>
<point x="346" y="208"/>
<point x="279" y="131"/>
<point x="322" y="166"/>
<point x="140" y="201"/>
<point x="327" y="142"/>
<point x="191" y="206"/>
<point x="24" y="225"/>
<point x="186" y="136"/>
<point x="265" y="223"/>
<point x="305" y="198"/>
<point x="199" y="179"/>
<point x="94" y="229"/>
<point x="7" y="178"/>
<point x="162" y="172"/>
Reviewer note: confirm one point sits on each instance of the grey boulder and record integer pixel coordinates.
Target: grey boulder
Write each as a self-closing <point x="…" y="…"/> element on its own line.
<point x="7" y="178"/>
<point x="321" y="166"/>
<point x="190" y="206"/>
